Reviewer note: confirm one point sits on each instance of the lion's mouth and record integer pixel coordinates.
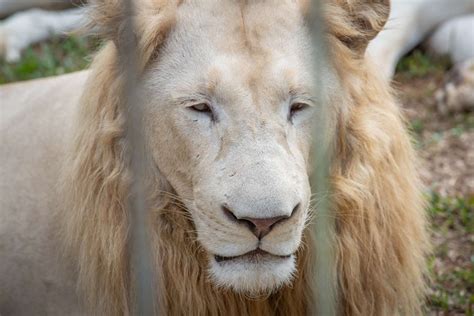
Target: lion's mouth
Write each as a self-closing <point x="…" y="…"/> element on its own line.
<point x="251" y="256"/>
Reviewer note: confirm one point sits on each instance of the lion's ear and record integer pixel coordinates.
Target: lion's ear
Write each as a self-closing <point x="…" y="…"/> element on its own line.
<point x="356" y="22"/>
<point x="152" y="21"/>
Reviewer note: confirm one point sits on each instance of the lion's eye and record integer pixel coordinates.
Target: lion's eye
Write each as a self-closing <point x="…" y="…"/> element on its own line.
<point x="296" y="107"/>
<point x="201" y="107"/>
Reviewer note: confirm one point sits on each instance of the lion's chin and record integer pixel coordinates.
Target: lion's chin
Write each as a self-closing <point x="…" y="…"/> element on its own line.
<point x="253" y="277"/>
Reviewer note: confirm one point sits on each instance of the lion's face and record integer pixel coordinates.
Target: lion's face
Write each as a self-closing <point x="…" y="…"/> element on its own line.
<point x="228" y="110"/>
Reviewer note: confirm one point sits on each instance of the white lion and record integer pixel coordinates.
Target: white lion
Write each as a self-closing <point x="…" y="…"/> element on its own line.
<point x="229" y="104"/>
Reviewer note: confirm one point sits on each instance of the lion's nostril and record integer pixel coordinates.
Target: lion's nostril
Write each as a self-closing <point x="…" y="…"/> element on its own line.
<point x="260" y="227"/>
<point x="263" y="226"/>
<point x="249" y="224"/>
<point x="295" y="209"/>
<point x="228" y="213"/>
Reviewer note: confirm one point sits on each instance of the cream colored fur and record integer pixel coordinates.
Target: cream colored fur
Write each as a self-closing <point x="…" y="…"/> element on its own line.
<point x="251" y="156"/>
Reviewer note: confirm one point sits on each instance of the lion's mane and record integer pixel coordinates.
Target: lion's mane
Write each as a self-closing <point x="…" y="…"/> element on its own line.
<point x="381" y="240"/>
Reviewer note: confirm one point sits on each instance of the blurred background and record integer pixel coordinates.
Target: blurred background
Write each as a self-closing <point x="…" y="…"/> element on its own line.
<point x="429" y="59"/>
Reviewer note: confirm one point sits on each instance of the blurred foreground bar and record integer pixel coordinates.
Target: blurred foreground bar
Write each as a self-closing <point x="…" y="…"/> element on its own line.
<point x="324" y="278"/>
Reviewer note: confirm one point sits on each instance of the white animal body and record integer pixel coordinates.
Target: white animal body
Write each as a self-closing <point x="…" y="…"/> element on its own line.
<point x="35" y="25"/>
<point x="451" y="24"/>
<point x="8" y="7"/>
<point x="45" y="280"/>
<point x="454" y="38"/>
<point x="409" y="23"/>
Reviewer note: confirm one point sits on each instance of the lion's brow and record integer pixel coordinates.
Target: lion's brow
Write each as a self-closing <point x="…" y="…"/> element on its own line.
<point x="302" y="95"/>
<point x="191" y="98"/>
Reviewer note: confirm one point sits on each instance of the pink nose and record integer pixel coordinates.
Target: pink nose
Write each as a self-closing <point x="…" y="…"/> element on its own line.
<point x="260" y="227"/>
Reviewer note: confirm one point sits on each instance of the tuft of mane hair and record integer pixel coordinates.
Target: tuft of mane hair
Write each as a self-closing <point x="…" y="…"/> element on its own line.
<point x="381" y="240"/>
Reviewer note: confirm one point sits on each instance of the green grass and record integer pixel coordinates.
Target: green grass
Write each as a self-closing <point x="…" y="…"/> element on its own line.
<point x="419" y="64"/>
<point x="55" y="57"/>
<point x="451" y="265"/>
<point x="452" y="287"/>
<point x="452" y="213"/>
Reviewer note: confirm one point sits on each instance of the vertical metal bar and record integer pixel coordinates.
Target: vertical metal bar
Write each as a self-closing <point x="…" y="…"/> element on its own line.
<point x="142" y="276"/>
<point x="324" y="280"/>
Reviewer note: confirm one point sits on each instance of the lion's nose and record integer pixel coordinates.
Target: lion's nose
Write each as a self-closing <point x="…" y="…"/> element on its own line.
<point x="260" y="227"/>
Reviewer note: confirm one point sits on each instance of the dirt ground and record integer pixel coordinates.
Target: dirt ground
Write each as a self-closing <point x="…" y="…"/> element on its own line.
<point x="446" y="148"/>
<point x="446" y="143"/>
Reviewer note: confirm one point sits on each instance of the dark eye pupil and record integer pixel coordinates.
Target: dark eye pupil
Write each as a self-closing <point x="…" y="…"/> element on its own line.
<point x="202" y="107"/>
<point x="296" y="107"/>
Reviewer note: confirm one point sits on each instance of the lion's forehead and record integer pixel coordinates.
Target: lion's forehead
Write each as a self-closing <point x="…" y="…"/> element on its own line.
<point x="260" y="30"/>
<point x="256" y="50"/>
<point x="241" y="80"/>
